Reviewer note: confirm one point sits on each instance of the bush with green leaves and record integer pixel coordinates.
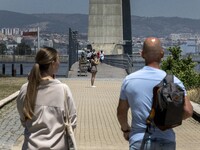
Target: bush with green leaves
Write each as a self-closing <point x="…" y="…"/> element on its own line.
<point x="181" y="67"/>
<point x="2" y="48"/>
<point x="22" y="49"/>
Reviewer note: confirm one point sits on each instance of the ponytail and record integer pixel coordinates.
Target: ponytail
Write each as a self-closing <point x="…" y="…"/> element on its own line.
<point x="29" y="102"/>
<point x="43" y="59"/>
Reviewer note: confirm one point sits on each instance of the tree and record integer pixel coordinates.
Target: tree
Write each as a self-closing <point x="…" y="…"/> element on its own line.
<point x="181" y="67"/>
<point x="3" y="48"/>
<point x="23" y="49"/>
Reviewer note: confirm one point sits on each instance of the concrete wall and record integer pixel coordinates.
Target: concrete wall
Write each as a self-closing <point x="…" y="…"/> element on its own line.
<point x="105" y="31"/>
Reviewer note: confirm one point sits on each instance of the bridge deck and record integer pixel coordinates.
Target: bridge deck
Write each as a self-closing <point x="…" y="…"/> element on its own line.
<point x="98" y="128"/>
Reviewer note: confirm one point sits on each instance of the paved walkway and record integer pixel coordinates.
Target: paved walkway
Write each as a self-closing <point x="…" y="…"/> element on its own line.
<point x="98" y="128"/>
<point x="104" y="72"/>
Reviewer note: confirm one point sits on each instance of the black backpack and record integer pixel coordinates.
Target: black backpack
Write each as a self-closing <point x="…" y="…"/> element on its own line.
<point x="167" y="107"/>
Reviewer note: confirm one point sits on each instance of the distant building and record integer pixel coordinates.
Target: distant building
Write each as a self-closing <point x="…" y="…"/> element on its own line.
<point x="11" y="31"/>
<point x="44" y="42"/>
<point x="17" y="39"/>
<point x="175" y="37"/>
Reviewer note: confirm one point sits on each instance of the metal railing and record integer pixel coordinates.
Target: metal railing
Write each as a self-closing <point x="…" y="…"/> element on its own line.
<point x="26" y="58"/>
<point x="116" y="60"/>
<point x="20" y="65"/>
<point x="134" y="62"/>
<point x="124" y="61"/>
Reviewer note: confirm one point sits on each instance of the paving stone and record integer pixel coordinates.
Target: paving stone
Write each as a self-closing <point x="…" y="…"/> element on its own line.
<point x="9" y="126"/>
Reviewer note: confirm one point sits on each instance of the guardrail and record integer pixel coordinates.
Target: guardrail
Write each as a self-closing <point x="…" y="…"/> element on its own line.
<point x="20" y="65"/>
<point x="26" y="58"/>
<point x="116" y="60"/>
<point x="134" y="62"/>
<point x="124" y="61"/>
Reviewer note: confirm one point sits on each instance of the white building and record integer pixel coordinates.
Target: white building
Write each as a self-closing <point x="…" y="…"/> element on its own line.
<point x="175" y="37"/>
<point x="11" y="31"/>
<point x="17" y="39"/>
<point x="44" y="42"/>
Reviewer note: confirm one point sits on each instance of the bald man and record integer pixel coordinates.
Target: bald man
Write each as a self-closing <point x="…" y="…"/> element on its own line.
<point x="136" y="94"/>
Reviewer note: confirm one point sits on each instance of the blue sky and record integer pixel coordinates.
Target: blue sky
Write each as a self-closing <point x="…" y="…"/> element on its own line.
<point x="148" y="8"/>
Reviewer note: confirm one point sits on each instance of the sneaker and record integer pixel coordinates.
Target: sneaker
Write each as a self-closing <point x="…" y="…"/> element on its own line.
<point x="93" y="86"/>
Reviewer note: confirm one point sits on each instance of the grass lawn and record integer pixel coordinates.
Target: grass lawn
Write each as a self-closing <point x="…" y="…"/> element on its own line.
<point x="9" y="85"/>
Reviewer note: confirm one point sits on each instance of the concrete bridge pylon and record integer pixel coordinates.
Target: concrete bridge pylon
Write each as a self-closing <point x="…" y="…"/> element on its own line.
<point x="110" y="26"/>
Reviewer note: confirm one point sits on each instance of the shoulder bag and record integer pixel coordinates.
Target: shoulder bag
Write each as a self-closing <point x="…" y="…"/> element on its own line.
<point x="70" y="138"/>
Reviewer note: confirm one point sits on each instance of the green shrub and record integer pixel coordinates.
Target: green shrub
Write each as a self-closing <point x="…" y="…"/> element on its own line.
<point x="181" y="67"/>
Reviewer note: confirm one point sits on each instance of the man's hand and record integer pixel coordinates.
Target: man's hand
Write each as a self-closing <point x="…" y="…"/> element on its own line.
<point x="126" y="132"/>
<point x="126" y="135"/>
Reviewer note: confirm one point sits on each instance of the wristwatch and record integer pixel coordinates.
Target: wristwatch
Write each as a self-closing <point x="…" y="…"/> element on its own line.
<point x="125" y="131"/>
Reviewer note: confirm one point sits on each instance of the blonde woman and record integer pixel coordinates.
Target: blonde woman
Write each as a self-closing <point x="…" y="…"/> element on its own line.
<point x="44" y="105"/>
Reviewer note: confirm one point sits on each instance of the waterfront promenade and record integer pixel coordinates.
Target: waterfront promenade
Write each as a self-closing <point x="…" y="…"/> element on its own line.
<point x="97" y="128"/>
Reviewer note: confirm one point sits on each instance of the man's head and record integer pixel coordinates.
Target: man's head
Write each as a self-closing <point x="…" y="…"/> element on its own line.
<point x="152" y="50"/>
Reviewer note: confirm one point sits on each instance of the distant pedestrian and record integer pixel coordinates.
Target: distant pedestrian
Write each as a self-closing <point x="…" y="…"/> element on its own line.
<point x="136" y="94"/>
<point x="45" y="105"/>
<point x="98" y="54"/>
<point x="94" y="62"/>
<point x="89" y="54"/>
<point x="101" y="56"/>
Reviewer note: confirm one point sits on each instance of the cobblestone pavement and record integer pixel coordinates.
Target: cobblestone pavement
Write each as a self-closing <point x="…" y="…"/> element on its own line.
<point x="97" y="127"/>
<point x="188" y="135"/>
<point x="10" y="126"/>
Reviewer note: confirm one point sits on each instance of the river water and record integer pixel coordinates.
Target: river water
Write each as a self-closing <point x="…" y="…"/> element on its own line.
<point x="63" y="69"/>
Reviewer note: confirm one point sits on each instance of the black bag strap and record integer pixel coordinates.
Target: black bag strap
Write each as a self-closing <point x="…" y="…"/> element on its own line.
<point x="168" y="78"/>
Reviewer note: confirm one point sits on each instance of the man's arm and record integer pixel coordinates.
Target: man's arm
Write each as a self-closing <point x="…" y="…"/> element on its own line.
<point x="122" y="115"/>
<point x="188" y="109"/>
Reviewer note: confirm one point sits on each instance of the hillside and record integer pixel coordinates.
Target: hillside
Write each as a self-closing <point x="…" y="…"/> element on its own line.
<point x="163" y="26"/>
<point x="60" y="23"/>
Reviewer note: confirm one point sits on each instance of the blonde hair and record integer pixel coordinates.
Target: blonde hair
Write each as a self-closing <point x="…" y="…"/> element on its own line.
<point x="43" y="59"/>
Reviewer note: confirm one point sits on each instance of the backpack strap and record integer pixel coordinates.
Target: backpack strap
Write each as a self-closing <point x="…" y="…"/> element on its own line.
<point x="149" y="120"/>
<point x="168" y="78"/>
